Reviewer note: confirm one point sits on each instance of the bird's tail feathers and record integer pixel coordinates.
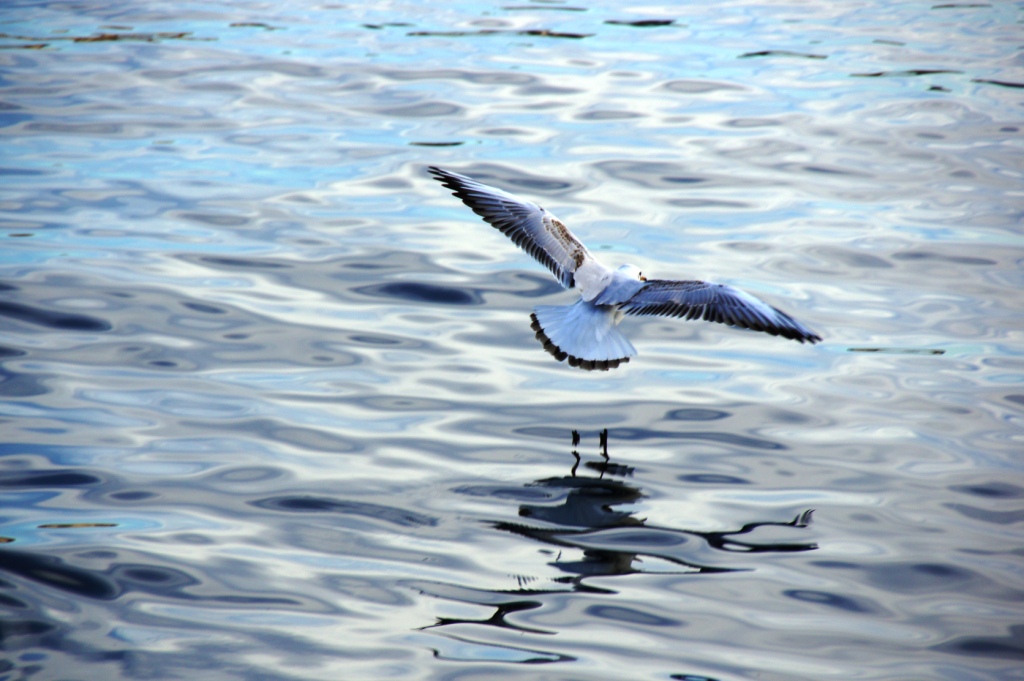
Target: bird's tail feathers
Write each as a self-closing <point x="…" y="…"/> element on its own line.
<point x="585" y="334"/>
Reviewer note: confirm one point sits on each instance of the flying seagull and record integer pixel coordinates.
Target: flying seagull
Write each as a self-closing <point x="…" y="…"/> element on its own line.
<point x="586" y="332"/>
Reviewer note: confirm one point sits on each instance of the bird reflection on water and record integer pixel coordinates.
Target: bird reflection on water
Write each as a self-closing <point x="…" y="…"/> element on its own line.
<point x="590" y="513"/>
<point x="588" y="508"/>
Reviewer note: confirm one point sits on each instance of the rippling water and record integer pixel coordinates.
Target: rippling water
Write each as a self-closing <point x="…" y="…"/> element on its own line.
<point x="271" y="404"/>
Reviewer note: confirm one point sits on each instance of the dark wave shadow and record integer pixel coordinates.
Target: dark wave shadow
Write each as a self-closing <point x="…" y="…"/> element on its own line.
<point x="58" y="321"/>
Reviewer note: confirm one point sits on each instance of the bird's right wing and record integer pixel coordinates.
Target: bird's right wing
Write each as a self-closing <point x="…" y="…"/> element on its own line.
<point x="715" y="303"/>
<point x="532" y="228"/>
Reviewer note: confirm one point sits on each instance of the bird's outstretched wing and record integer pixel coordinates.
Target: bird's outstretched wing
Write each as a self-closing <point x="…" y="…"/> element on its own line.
<point x="532" y="228"/>
<point x="715" y="303"/>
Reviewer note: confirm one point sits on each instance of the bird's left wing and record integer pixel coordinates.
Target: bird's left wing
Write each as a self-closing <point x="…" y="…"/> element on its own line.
<point x="715" y="303"/>
<point x="532" y="228"/>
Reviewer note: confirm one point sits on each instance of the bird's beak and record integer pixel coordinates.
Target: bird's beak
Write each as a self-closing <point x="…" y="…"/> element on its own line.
<point x="643" y="278"/>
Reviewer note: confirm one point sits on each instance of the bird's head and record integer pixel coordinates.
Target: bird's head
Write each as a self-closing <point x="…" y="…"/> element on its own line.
<point x="633" y="272"/>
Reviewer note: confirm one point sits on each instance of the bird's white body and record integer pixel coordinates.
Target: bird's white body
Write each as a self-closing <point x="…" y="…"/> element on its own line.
<point x="623" y="284"/>
<point x="592" y="278"/>
<point x="586" y="333"/>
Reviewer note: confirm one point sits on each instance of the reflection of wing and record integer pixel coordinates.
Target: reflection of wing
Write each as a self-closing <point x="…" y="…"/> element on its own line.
<point x="532" y="228"/>
<point x="715" y="303"/>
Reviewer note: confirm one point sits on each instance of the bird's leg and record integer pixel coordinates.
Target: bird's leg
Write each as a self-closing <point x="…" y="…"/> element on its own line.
<point x="575" y="443"/>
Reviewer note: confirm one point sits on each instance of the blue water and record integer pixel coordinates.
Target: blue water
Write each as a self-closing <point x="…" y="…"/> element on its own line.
<point x="271" y="403"/>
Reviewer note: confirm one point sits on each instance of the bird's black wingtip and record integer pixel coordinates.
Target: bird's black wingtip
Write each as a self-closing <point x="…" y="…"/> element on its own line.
<point x="809" y="338"/>
<point x="442" y="174"/>
<point x="453" y="181"/>
<point x="805" y="335"/>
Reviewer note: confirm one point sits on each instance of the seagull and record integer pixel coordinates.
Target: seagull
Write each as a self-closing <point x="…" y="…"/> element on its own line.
<point x="586" y="333"/>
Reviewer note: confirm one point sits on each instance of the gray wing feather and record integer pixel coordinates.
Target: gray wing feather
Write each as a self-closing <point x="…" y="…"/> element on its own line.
<point x="530" y="227"/>
<point x="715" y="303"/>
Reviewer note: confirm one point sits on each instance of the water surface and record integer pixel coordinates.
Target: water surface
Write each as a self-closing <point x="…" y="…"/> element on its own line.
<point x="272" y="407"/>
